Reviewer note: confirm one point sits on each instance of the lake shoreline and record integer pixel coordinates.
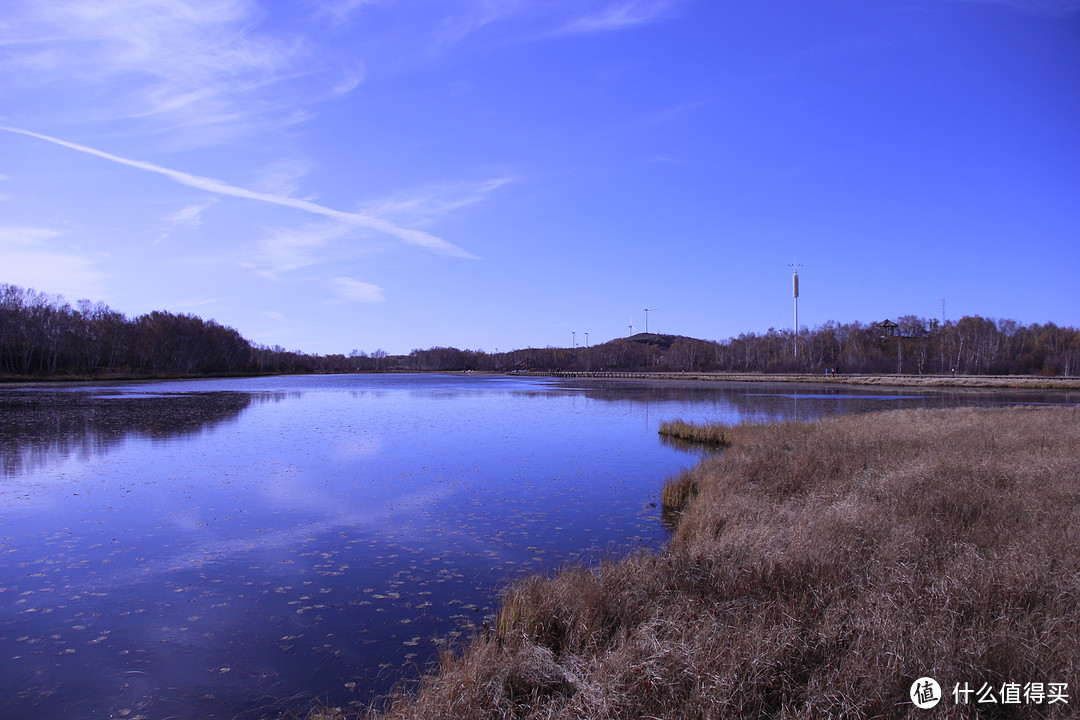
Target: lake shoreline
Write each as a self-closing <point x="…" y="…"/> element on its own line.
<point x="290" y="484"/>
<point x="1010" y="382"/>
<point x="1004" y="382"/>
<point x="820" y="568"/>
<point x="10" y="382"/>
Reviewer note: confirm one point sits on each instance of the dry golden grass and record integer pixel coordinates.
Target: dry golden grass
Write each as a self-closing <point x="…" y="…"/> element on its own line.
<point x="677" y="493"/>
<point x="820" y="569"/>
<point x="1032" y="382"/>
<point x="716" y="434"/>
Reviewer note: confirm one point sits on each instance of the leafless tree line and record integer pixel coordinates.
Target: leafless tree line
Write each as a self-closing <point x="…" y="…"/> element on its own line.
<point x="916" y="346"/>
<point x="42" y="334"/>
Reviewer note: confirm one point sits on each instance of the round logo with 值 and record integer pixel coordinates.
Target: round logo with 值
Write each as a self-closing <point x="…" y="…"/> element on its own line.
<point x="925" y="693"/>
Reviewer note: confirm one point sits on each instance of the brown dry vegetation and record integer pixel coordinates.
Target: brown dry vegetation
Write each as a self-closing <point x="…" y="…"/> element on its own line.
<point x="890" y="380"/>
<point x="716" y="434"/>
<point x="820" y="569"/>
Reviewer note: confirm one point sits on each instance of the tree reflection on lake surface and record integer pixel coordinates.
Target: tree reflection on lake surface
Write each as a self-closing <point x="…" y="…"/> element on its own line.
<point x="38" y="427"/>
<point x="211" y="548"/>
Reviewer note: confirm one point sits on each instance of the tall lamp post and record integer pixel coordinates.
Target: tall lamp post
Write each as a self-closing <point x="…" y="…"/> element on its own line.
<point x="795" y="294"/>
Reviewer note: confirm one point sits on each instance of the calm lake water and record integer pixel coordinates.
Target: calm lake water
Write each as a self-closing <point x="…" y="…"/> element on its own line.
<point x="219" y="548"/>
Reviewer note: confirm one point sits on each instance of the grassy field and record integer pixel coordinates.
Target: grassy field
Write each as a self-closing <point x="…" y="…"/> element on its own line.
<point x="816" y="570"/>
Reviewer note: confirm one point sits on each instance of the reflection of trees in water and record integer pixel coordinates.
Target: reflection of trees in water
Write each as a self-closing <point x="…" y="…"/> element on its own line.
<point x="38" y="428"/>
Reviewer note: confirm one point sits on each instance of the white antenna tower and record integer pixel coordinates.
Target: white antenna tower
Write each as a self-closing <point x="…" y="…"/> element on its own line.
<point x="647" y="311"/>
<point x="795" y="294"/>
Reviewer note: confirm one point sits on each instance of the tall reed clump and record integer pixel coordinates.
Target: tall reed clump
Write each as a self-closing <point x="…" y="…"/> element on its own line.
<point x="820" y="570"/>
<point x="677" y="492"/>
<point x="716" y="434"/>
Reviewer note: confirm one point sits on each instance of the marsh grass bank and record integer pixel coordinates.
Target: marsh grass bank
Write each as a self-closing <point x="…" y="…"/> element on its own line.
<point x="716" y="435"/>
<point x="1017" y="382"/>
<point x="817" y="571"/>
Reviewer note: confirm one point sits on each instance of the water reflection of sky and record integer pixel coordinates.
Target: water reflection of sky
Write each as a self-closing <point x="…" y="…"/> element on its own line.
<point x="200" y="548"/>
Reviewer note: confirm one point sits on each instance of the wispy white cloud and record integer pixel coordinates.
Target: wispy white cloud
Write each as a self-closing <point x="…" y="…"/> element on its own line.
<point x="190" y="214"/>
<point x="281" y="251"/>
<point x="351" y="290"/>
<point x="281" y="177"/>
<point x="620" y="16"/>
<point x="469" y="18"/>
<point x="351" y="78"/>
<point x="284" y="250"/>
<point x="187" y="216"/>
<point x="407" y="235"/>
<point x="171" y="54"/>
<point x="434" y="201"/>
<point x="192" y="73"/>
<point x="340" y="12"/>
<point x="32" y="258"/>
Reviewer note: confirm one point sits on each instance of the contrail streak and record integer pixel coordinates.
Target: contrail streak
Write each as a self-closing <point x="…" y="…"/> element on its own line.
<point x="413" y="237"/>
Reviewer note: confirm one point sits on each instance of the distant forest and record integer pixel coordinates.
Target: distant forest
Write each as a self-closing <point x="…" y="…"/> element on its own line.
<point x="44" y="335"/>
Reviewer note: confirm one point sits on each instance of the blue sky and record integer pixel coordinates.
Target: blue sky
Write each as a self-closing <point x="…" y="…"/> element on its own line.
<point x="331" y="175"/>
